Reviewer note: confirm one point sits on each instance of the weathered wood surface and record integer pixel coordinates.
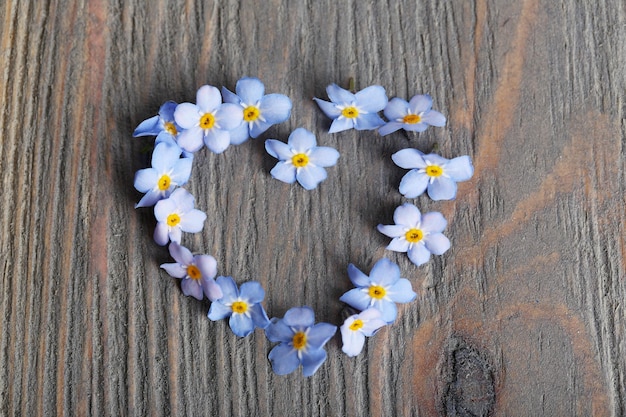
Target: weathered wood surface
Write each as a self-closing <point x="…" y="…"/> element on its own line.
<point x="523" y="316"/>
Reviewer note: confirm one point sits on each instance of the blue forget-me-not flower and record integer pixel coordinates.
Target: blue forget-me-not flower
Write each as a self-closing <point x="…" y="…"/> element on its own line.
<point x="358" y="111"/>
<point x="357" y="327"/>
<point x="415" y="115"/>
<point x="175" y="215"/>
<point x="163" y="122"/>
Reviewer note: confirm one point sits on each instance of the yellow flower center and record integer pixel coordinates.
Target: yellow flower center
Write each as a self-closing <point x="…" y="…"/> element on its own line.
<point x="414" y="235"/>
<point x="300" y="160"/>
<point x="350" y="112"/>
<point x="173" y="219"/>
<point x="164" y="182"/>
<point x="207" y="121"/>
<point x="170" y="128"/>
<point x="251" y="113"/>
<point x="193" y="272"/>
<point x="356" y="324"/>
<point x="377" y="292"/>
<point x="434" y="170"/>
<point x="239" y="307"/>
<point x="299" y="340"/>
<point x="411" y="119"/>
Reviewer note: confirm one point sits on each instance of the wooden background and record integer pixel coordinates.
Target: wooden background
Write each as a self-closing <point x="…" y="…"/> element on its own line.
<point x="524" y="315"/>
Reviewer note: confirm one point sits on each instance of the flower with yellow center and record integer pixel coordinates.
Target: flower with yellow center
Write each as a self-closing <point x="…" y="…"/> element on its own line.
<point x="359" y="326"/>
<point x="176" y="214"/>
<point x="413" y="116"/>
<point x="196" y="271"/>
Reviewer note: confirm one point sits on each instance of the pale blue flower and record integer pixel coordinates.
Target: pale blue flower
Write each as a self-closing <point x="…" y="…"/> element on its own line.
<point x="168" y="171"/>
<point x="381" y="289"/>
<point x="197" y="273"/>
<point x="300" y="159"/>
<point x="175" y="215"/>
<point x="259" y="111"/>
<point x="165" y="137"/>
<point x="208" y="121"/>
<point x="433" y="173"/>
<point x="357" y="327"/>
<point x="301" y="341"/>
<point x="358" y="111"/>
<point x="163" y="122"/>
<point x="415" y="115"/>
<point x="243" y="306"/>
<point x="418" y="235"/>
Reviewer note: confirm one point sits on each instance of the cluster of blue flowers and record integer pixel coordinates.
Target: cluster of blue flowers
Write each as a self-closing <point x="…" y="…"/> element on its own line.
<point x="219" y="119"/>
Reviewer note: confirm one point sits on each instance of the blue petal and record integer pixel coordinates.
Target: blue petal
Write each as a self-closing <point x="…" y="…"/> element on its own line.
<point x="187" y="115"/>
<point x="250" y="90"/>
<point x="329" y="109"/>
<point x="312" y="360"/>
<point x="356" y="298"/>
<point x="418" y="254"/>
<point x="341" y="124"/>
<point x="390" y="127"/>
<point x="212" y="291"/>
<point x="415" y="127"/>
<point x="219" y="311"/>
<point x="407" y="215"/>
<point x="396" y="109"/>
<point x="259" y="316"/>
<point x="208" y="98"/>
<point x="442" y="189"/>
<point x="278" y="331"/>
<point x="229" y="289"/>
<point x="409" y="158"/>
<point x="371" y="99"/>
<point x="339" y="95"/>
<point x="164" y="208"/>
<point x="433" y="222"/>
<point x="207" y="266"/>
<point x="181" y="171"/>
<point x="301" y="140"/>
<point x="217" y="140"/>
<point x="241" y="325"/>
<point x="434" y="118"/>
<point x="319" y="334"/>
<point x="284" y="172"/>
<point x="357" y="277"/>
<point x="259" y="128"/>
<point x="167" y="110"/>
<point x="401" y="291"/>
<point x="230" y="97"/>
<point x="323" y="156"/>
<point x="146" y="179"/>
<point x="239" y="134"/>
<point x="252" y="291"/>
<point x="164" y="157"/>
<point x="278" y="149"/>
<point x="310" y="176"/>
<point x="299" y="317"/>
<point x="149" y="127"/>
<point x="161" y="236"/>
<point x="191" y="287"/>
<point x="284" y="359"/>
<point x="229" y="116"/>
<point x="275" y="108"/>
<point x="182" y="199"/>
<point x="353" y="341"/>
<point x="460" y="169"/>
<point x="398" y="245"/>
<point x="392" y="230"/>
<point x="388" y="310"/>
<point x="385" y="272"/>
<point x="413" y="184"/>
<point x="191" y="139"/>
<point x="420" y="103"/>
<point x="437" y="243"/>
<point x="192" y="221"/>
<point x="175" y="270"/>
<point x="368" y="122"/>
<point x="181" y="254"/>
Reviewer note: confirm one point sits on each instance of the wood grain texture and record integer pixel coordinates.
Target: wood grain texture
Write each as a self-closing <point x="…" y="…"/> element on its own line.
<point x="524" y="315"/>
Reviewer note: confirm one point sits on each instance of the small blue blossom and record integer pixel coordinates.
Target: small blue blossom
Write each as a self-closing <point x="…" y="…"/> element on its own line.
<point x="208" y="121"/>
<point x="165" y="137"/>
<point x="418" y="235"/>
<point x="301" y="341"/>
<point x="175" y="215"/>
<point x="300" y="159"/>
<point x="197" y="273"/>
<point x="357" y="327"/>
<point x="433" y="173"/>
<point x="163" y="122"/>
<point x="381" y="289"/>
<point x="259" y="111"/>
<point x="358" y="111"/>
<point x="168" y="171"/>
<point x="243" y="306"/>
<point x="414" y="116"/>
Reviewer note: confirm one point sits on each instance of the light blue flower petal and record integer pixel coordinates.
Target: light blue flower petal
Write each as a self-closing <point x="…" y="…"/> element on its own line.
<point x="229" y="289"/>
<point x="301" y="140"/>
<point x="167" y="110"/>
<point x="371" y="99"/>
<point x="149" y="127"/>
<point x="164" y="208"/>
<point x="398" y="245"/>
<point x="371" y="327"/>
<point x="250" y="90"/>
<point x="175" y="270"/>
<point x="433" y="158"/>
<point x="181" y="254"/>
<point x="437" y="243"/>
<point x="191" y="139"/>
<point x="442" y="189"/>
<point x="259" y="316"/>
<point x="312" y="361"/>
<point x="434" y="118"/>
<point x="319" y="334"/>
<point x="284" y="359"/>
<point x="146" y="179"/>
<point x="284" y="172"/>
<point x="353" y="341"/>
<point x="420" y="103"/>
<point x="217" y="140"/>
<point x="183" y="199"/>
<point x="460" y="169"/>
<point x="207" y="265"/>
<point x="413" y="184"/>
<point x="407" y="215"/>
<point x="192" y="221"/>
<point x="299" y="317"/>
<point x="187" y="115"/>
<point x="252" y="291"/>
<point x="418" y="254"/>
<point x="240" y="324"/>
<point x="165" y="137"/>
<point x="161" y="236"/>
<point x="385" y="272"/>
<point x="329" y="109"/>
<point x="208" y="98"/>
<point x="341" y="124"/>
<point x="278" y="331"/>
<point x="239" y="134"/>
<point x="415" y="127"/>
<point x="212" y="291"/>
<point x="356" y="298"/>
<point x="368" y="122"/>
<point x="396" y="109"/>
<point x="230" y="97"/>
<point x="390" y="127"/>
<point x="409" y="159"/>
<point x="401" y="291"/>
<point x="229" y="116"/>
<point x="181" y="171"/>
<point x="339" y="95"/>
<point x="275" y="108"/>
<point x="278" y="149"/>
<point x="433" y="222"/>
<point x="175" y="234"/>
<point x="388" y="311"/>
<point x="323" y="156"/>
<point x="357" y="277"/>
<point x="392" y="230"/>
<point x="192" y="288"/>
<point x="219" y="311"/>
<point x="310" y="176"/>
<point x="259" y="128"/>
